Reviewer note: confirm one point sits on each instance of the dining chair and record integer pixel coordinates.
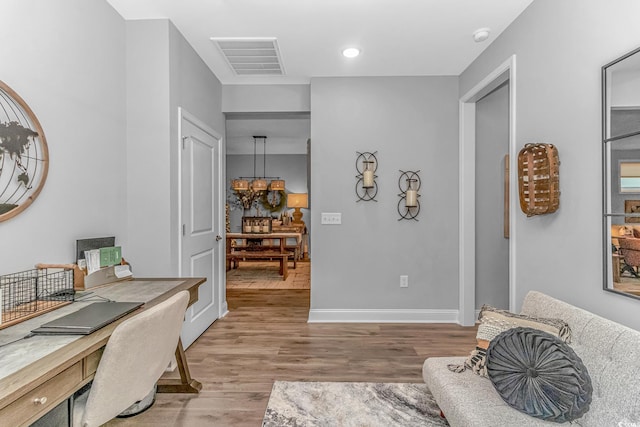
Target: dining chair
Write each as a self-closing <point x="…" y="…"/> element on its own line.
<point x="135" y="357"/>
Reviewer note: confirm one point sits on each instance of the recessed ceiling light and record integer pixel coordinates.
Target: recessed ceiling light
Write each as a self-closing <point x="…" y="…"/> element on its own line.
<point x="351" y="52"/>
<point x="481" y="34"/>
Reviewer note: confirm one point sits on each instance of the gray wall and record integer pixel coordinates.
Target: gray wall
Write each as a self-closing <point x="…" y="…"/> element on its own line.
<point x="106" y="93"/>
<point x="66" y="59"/>
<point x="492" y="249"/>
<point x="290" y="167"/>
<point x="412" y="122"/>
<point x="163" y="73"/>
<point x="559" y="101"/>
<point x="265" y="98"/>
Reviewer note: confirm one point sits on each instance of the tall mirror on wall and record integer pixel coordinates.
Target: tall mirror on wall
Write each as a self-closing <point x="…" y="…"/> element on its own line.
<point x="621" y="174"/>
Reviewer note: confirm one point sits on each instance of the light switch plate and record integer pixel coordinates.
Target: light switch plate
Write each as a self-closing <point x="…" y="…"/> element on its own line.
<point x="331" y="218"/>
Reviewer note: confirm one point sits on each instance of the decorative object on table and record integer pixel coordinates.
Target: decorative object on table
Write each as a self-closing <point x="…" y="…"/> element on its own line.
<point x="539" y="179"/>
<point x="632" y="207"/>
<point x="366" y="185"/>
<point x="256" y="224"/>
<point x="34" y="292"/>
<point x="297" y="201"/>
<point x="250" y="192"/>
<point x="409" y="205"/>
<point x="539" y="374"/>
<point x="352" y="404"/>
<point x="24" y="156"/>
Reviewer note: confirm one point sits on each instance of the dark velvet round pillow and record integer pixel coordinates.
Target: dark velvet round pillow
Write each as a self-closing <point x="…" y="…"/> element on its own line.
<point x="538" y="374"/>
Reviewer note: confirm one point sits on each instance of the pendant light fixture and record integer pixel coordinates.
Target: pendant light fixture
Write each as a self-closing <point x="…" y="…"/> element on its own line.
<point x="258" y="184"/>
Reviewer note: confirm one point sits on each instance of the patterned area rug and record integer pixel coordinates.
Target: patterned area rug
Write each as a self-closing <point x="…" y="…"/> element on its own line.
<point x="337" y="404"/>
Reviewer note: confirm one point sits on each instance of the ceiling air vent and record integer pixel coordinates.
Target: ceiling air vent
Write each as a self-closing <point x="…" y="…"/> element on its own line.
<point x="251" y="56"/>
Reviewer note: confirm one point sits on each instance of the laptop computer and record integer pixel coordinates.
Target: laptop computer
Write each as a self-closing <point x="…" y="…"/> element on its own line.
<point x="88" y="319"/>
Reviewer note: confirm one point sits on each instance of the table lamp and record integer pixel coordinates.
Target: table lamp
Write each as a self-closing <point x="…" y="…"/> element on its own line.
<point x="297" y="201"/>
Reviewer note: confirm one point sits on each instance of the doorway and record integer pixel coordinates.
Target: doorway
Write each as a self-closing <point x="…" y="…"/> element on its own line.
<point x="506" y="72"/>
<point x="492" y="227"/>
<point x="281" y="153"/>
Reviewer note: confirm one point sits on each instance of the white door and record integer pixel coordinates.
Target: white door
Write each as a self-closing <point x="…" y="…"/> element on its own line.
<point x="201" y="243"/>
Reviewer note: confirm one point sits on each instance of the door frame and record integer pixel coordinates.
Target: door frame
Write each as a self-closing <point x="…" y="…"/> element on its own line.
<point x="467" y="188"/>
<point x="219" y="259"/>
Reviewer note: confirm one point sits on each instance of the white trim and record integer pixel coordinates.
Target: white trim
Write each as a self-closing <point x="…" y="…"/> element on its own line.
<point x="466" y="228"/>
<point x="383" y="316"/>
<point x="514" y="196"/>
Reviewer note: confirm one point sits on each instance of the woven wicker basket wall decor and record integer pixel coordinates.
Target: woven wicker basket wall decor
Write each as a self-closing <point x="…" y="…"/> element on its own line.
<point x="539" y="179"/>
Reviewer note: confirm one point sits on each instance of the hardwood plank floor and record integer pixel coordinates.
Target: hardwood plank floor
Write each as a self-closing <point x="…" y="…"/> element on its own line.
<point x="266" y="337"/>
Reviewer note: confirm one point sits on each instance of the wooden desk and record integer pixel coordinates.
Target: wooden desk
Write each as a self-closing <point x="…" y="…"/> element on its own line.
<point x="54" y="367"/>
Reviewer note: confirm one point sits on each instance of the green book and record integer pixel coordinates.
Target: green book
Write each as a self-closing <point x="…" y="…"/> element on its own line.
<point x="110" y="256"/>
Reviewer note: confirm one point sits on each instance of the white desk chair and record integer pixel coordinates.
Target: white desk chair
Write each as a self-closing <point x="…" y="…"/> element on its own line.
<point x="135" y="357"/>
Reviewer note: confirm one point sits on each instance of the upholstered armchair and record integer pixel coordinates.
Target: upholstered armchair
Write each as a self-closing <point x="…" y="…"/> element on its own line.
<point x="630" y="251"/>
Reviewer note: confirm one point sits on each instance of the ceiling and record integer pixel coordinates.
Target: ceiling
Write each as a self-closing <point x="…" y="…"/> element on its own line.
<point x="396" y="37"/>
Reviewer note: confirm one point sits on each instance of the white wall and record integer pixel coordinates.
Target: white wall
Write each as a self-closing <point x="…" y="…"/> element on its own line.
<point x="412" y="122"/>
<point x="560" y="48"/>
<point x="66" y="59"/>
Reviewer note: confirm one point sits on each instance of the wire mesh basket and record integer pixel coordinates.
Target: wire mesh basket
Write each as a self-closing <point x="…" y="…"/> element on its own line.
<point x="30" y="293"/>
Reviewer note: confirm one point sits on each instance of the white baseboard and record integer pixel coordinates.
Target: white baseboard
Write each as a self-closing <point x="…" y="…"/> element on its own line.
<point x="224" y="309"/>
<point x="383" y="316"/>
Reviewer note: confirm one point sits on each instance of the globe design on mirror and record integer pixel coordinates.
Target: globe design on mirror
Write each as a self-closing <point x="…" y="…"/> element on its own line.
<point x="24" y="157"/>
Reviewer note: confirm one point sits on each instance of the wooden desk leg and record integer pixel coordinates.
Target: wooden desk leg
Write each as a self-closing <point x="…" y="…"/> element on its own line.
<point x="185" y="384"/>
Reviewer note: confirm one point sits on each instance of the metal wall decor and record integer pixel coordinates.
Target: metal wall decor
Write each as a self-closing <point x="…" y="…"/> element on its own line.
<point x="24" y="156"/>
<point x="366" y="186"/>
<point x="409" y="203"/>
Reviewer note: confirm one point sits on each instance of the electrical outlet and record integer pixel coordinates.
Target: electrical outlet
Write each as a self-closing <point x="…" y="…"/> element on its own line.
<point x="328" y="218"/>
<point x="404" y="281"/>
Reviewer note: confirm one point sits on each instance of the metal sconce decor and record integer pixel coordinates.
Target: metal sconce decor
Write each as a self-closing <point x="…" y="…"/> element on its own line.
<point x="409" y="205"/>
<point x="366" y="186"/>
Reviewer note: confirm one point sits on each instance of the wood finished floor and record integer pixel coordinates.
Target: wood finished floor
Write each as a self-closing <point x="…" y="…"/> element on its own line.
<point x="266" y="337"/>
<point x="265" y="275"/>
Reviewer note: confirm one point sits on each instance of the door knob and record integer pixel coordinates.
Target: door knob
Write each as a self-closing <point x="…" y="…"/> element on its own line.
<point x="218" y="238"/>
